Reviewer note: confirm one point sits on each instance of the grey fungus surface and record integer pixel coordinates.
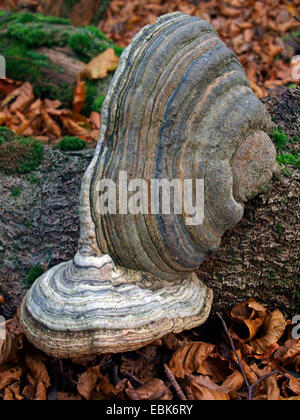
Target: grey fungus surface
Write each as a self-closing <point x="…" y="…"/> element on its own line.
<point x="179" y="107"/>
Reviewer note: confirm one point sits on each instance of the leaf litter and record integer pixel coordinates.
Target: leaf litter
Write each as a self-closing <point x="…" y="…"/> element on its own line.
<point x="176" y="367"/>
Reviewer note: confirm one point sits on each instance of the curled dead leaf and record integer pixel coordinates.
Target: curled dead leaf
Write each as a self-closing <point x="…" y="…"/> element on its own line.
<point x="100" y="66"/>
<point x="79" y="96"/>
<point x="155" y="389"/>
<point x="37" y="368"/>
<point x="272" y="330"/>
<point x="87" y="382"/>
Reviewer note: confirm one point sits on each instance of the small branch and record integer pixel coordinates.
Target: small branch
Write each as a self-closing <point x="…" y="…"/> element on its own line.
<point x="268" y="375"/>
<point x="174" y="383"/>
<point x="234" y="350"/>
<point x="250" y="388"/>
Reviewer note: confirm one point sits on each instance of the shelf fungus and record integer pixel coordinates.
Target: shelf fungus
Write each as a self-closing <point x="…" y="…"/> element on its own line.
<point x="179" y="108"/>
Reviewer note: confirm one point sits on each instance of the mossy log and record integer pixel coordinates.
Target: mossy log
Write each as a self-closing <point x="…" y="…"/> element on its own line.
<point x="49" y="52"/>
<point x="259" y="258"/>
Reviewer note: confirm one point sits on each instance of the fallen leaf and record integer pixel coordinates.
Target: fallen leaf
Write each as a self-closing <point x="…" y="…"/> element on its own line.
<point x="9" y="376"/>
<point x="233" y="383"/>
<point x="79" y="96"/>
<point x="201" y="393"/>
<point x="24" y="98"/>
<point x="88" y="381"/>
<point x="156" y="389"/>
<point x="37" y="368"/>
<point x="99" y="67"/>
<point x="273" y="329"/>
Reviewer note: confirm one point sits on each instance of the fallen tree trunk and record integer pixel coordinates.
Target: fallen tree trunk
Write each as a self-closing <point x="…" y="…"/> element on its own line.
<point x="50" y="53"/>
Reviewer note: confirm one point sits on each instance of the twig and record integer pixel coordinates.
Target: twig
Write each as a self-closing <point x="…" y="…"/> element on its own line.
<point x="250" y="388"/>
<point x="174" y="383"/>
<point x="234" y="350"/>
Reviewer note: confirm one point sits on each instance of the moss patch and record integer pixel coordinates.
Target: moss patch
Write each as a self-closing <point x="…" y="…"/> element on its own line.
<point x="289" y="159"/>
<point x="71" y="143"/>
<point x="279" y="138"/>
<point x="34" y="273"/>
<point x="21" y="155"/>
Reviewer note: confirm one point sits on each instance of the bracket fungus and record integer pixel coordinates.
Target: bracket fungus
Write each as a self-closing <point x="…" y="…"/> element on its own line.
<point x="179" y="107"/>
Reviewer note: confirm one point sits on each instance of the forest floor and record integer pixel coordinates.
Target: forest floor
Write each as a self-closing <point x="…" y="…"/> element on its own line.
<point x="198" y="364"/>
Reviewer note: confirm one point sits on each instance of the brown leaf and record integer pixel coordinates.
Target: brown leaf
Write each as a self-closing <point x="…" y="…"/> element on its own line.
<point x="51" y="126"/>
<point x="66" y="396"/>
<point x="79" y="96"/>
<point x="233" y="383"/>
<point x="273" y="329"/>
<point x="12" y="343"/>
<point x="74" y="128"/>
<point x="201" y="358"/>
<point x="40" y="393"/>
<point x="88" y="381"/>
<point x="202" y="393"/>
<point x="288" y="351"/>
<point x="95" y="118"/>
<point x="9" y="376"/>
<point x="8" y="395"/>
<point x="37" y="368"/>
<point x="2" y="301"/>
<point x="99" y="67"/>
<point x="273" y="391"/>
<point x="291" y="386"/>
<point x="153" y="390"/>
<point x="24" y="98"/>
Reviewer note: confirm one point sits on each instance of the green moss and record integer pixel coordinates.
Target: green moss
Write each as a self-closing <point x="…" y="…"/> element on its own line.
<point x="279" y="138"/>
<point x="95" y="91"/>
<point x="34" y="273"/>
<point x="22" y="155"/>
<point x="289" y="159"/>
<point x="15" y="192"/>
<point x="98" y="103"/>
<point x="280" y="228"/>
<point x="71" y="144"/>
<point x="6" y="135"/>
<point x="89" y="42"/>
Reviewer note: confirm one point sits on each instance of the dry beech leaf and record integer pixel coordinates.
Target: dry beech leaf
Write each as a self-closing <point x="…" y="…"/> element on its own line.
<point x="50" y="125"/>
<point x="79" y="96"/>
<point x="202" y="393"/>
<point x="24" y="98"/>
<point x="37" y="368"/>
<point x="153" y="390"/>
<point x="95" y="118"/>
<point x="75" y="129"/>
<point x="202" y="358"/>
<point x="41" y="392"/>
<point x="273" y="329"/>
<point x="13" y="342"/>
<point x="2" y="301"/>
<point x="233" y="383"/>
<point x="290" y="350"/>
<point x="87" y="382"/>
<point x="8" y="395"/>
<point x="15" y="389"/>
<point x="250" y="314"/>
<point x="273" y="391"/>
<point x="100" y="66"/>
<point x="9" y="376"/>
<point x="66" y="396"/>
<point x="291" y="386"/>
